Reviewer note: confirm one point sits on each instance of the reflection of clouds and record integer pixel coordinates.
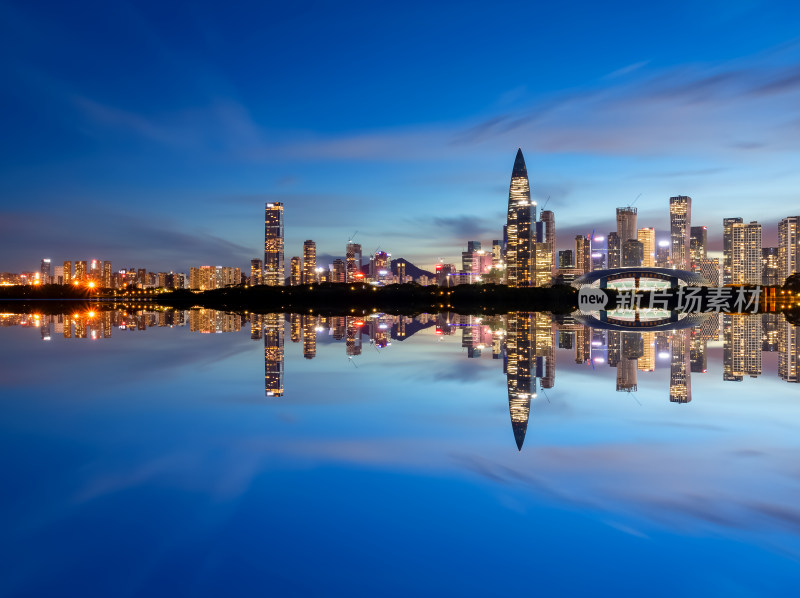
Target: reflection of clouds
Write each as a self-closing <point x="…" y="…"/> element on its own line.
<point x="691" y="490"/>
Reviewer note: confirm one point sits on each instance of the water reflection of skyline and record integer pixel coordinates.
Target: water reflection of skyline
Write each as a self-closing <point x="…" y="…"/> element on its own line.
<point x="526" y="342"/>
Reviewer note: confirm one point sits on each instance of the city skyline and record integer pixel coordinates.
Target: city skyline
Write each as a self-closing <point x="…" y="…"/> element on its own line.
<point x="169" y="178"/>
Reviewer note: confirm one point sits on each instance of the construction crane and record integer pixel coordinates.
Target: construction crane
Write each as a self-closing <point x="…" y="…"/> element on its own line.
<point x="635" y="200"/>
<point x="545" y="203"/>
<point x="353" y="236"/>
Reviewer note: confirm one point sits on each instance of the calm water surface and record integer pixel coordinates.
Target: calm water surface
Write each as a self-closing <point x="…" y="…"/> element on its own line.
<point x="200" y="453"/>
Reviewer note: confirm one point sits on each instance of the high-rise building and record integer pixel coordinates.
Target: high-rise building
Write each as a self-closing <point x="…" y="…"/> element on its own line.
<point x="566" y="259"/>
<point x="542" y="264"/>
<point x="274" y="274"/>
<point x="680" y="222"/>
<point x="746" y="253"/>
<point x="338" y="271"/>
<point x="698" y="243"/>
<point x="274" y="325"/>
<point x="58" y="275"/>
<point x="379" y="269"/>
<point x="583" y="253"/>
<point x="353" y="261"/>
<point x="80" y="271"/>
<point x="647" y="237"/>
<point x="67" y="272"/>
<point x="401" y="271"/>
<point x="256" y="273"/>
<point x="770" y="267"/>
<point x="614" y="250"/>
<point x="295" y="271"/>
<point x="45" y="276"/>
<point x="469" y="256"/>
<point x="549" y="220"/>
<point x="727" y="248"/>
<point x="788" y="247"/>
<point x="632" y="253"/>
<point x="107" y="274"/>
<point x="96" y="271"/>
<point x="626" y="224"/>
<point x="203" y="278"/>
<point x="521" y="215"/>
<point x="309" y="262"/>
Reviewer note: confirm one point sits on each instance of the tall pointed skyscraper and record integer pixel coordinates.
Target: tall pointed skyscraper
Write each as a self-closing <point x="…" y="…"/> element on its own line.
<point x="521" y="213"/>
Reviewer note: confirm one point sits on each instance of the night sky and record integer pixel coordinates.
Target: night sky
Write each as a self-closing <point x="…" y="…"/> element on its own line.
<point x="152" y="133"/>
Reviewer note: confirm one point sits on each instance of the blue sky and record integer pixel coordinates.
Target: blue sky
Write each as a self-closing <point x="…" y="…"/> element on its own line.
<point x="152" y="134"/>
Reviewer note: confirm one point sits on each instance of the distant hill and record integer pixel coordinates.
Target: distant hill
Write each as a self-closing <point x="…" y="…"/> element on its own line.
<point x="411" y="270"/>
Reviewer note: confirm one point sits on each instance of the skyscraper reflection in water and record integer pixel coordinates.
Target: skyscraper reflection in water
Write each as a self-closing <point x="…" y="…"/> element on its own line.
<point x="632" y="348"/>
<point x="529" y="354"/>
<point x="680" y="377"/>
<point x="273" y="354"/>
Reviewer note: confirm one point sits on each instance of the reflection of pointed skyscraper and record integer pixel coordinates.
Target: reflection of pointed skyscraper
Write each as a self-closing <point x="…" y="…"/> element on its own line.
<point x="273" y="355"/>
<point x="519" y="266"/>
<point x="680" y="381"/>
<point x="521" y="384"/>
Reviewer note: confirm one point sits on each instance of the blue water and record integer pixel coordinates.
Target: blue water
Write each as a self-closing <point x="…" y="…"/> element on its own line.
<point x="152" y="462"/>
